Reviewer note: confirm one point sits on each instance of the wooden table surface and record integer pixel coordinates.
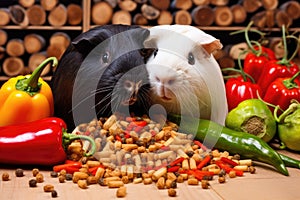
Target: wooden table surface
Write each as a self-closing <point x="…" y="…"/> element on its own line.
<point x="265" y="184"/>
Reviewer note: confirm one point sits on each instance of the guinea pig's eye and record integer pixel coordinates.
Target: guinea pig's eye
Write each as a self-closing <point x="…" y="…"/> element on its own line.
<point x="191" y="59"/>
<point x="105" y="57"/>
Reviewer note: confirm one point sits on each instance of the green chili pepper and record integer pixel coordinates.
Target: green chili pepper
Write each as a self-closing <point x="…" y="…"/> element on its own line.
<point x="289" y="126"/>
<point x="252" y="116"/>
<point x="290" y="162"/>
<point x="235" y="142"/>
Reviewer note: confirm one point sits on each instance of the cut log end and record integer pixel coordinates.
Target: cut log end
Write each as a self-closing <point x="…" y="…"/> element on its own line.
<point x="13" y="66"/>
<point x="101" y="13"/>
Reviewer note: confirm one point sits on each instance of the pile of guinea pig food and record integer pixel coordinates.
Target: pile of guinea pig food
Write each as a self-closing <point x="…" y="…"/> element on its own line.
<point x="137" y="150"/>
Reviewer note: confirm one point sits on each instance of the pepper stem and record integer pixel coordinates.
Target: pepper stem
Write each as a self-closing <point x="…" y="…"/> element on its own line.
<point x="68" y="138"/>
<point x="31" y="84"/>
<point x="289" y="83"/>
<point x="293" y="106"/>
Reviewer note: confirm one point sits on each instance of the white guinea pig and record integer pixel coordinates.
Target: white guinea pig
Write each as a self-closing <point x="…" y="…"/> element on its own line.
<point x="184" y="76"/>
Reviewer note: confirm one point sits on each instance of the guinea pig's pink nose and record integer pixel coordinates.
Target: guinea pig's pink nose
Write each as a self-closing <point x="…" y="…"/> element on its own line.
<point x="165" y="80"/>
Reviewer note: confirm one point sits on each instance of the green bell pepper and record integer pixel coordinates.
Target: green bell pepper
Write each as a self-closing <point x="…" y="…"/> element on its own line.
<point x="289" y="127"/>
<point x="252" y="116"/>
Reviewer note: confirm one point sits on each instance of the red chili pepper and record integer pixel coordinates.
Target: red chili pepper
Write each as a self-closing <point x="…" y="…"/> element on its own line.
<point x="204" y="162"/>
<point x="198" y="174"/>
<point x="254" y="62"/>
<point x="93" y="170"/>
<point x="240" y="89"/>
<point x="199" y="144"/>
<point x="228" y="161"/>
<point x="41" y="142"/>
<point x="281" y="91"/>
<point x="176" y="162"/>
<point x="69" y="167"/>
<point x="174" y="168"/>
<point x="228" y="169"/>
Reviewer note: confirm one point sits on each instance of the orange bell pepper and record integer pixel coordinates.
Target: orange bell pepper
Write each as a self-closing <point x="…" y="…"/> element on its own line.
<point x="26" y="98"/>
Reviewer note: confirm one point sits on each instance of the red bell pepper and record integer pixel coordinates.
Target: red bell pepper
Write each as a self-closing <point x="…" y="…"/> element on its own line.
<point x="255" y="61"/>
<point x="281" y="91"/>
<point x="238" y="89"/>
<point x="41" y="142"/>
<point x="256" y="56"/>
<point x="278" y="69"/>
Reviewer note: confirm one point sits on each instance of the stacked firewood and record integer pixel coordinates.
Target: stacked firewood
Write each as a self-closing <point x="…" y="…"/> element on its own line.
<point x="46" y="12"/>
<point x="35" y="47"/>
<point x="264" y="13"/>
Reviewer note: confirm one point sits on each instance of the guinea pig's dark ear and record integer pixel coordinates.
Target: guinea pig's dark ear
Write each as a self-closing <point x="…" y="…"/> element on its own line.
<point x="213" y="46"/>
<point x="82" y="45"/>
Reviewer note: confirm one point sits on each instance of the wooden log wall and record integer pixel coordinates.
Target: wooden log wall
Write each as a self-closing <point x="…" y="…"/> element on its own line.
<point x="47" y="26"/>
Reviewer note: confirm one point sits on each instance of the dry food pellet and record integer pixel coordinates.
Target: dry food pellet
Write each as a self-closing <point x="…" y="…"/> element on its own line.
<point x="125" y="179"/>
<point x="48" y="188"/>
<point x="32" y="183"/>
<point x="232" y="174"/>
<point x="115" y="184"/>
<point x="35" y="171"/>
<point x="172" y="192"/>
<point x="204" y="184"/>
<point x="160" y="184"/>
<point x="5" y="176"/>
<point x="252" y="169"/>
<point x="39" y="178"/>
<point x="147" y="181"/>
<point x="121" y="192"/>
<point x="192" y="181"/>
<point x="61" y="178"/>
<point x="180" y="179"/>
<point x="91" y="180"/>
<point x="221" y="179"/>
<point x="63" y="172"/>
<point x="69" y="177"/>
<point x="53" y="194"/>
<point x="82" y="184"/>
<point x="79" y="176"/>
<point x="19" y="172"/>
<point x="54" y="174"/>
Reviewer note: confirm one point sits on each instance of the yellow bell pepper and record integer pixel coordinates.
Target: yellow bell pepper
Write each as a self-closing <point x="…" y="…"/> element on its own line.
<point x="26" y="98"/>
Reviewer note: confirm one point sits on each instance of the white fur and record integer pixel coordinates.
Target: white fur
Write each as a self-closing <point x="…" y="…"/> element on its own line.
<point x="194" y="89"/>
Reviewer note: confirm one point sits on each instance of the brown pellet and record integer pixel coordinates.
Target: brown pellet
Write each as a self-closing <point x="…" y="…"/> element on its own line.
<point x="32" y="183"/>
<point x="91" y="180"/>
<point x="232" y="174"/>
<point x="172" y="192"/>
<point x="160" y="184"/>
<point x="252" y="169"/>
<point x="121" y="192"/>
<point x="61" y="178"/>
<point x="54" y="174"/>
<point x="48" y="188"/>
<point x="204" y="184"/>
<point x="39" y="178"/>
<point x="221" y="179"/>
<point x="192" y="181"/>
<point x="19" y="172"/>
<point x="54" y="194"/>
<point x="82" y="184"/>
<point x="5" y="176"/>
<point x="35" y="171"/>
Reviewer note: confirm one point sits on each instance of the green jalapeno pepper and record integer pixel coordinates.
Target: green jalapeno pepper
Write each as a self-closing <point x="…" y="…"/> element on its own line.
<point x="252" y="116"/>
<point x="235" y="142"/>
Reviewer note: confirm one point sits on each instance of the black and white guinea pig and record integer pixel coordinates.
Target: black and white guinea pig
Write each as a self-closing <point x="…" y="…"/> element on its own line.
<point x="102" y="72"/>
<point x="184" y="76"/>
